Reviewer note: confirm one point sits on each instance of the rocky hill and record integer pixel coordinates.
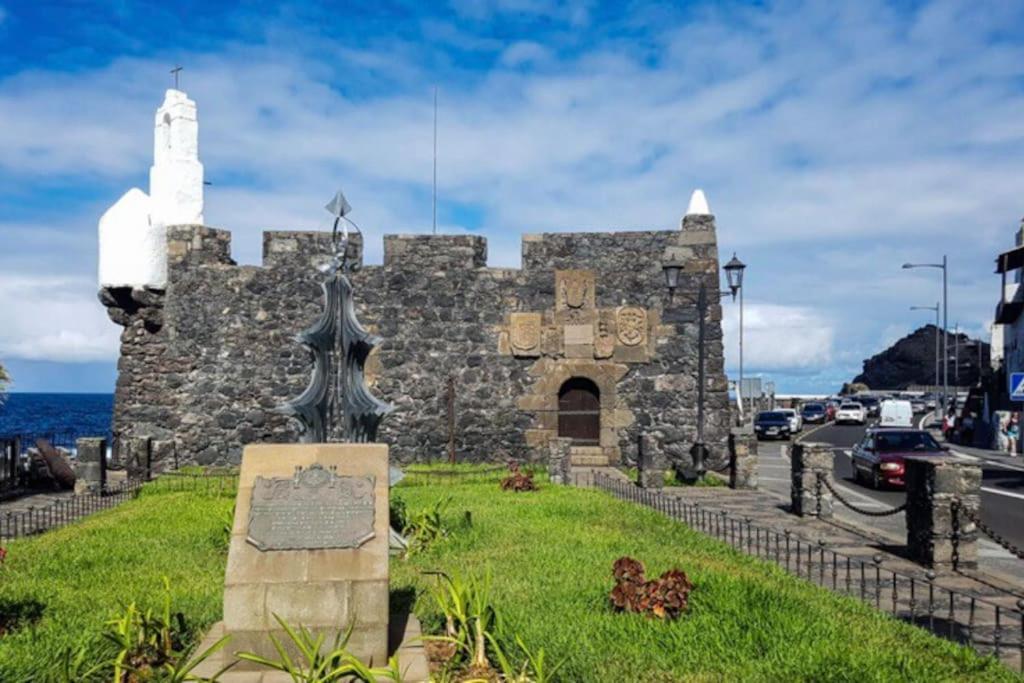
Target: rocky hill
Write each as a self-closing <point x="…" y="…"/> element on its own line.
<point x="911" y="360"/>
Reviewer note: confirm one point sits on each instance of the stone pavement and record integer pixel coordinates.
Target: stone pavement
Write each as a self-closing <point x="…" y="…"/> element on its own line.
<point x="994" y="563"/>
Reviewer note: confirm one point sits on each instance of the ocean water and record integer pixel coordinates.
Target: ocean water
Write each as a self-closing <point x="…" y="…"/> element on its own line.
<point x="64" y="416"/>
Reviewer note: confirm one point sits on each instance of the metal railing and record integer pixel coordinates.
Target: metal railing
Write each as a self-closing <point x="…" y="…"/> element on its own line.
<point x="423" y="476"/>
<point x="992" y="626"/>
<point x="9" y="462"/>
<point x="63" y="511"/>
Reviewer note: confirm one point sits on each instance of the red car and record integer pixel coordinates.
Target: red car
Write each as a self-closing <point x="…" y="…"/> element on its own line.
<point x="879" y="458"/>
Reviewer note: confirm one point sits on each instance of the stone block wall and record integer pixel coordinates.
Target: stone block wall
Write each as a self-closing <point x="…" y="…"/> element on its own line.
<point x="204" y="362"/>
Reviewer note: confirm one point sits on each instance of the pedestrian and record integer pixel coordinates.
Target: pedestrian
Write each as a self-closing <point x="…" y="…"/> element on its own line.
<point x="1012" y="435"/>
<point x="967" y="431"/>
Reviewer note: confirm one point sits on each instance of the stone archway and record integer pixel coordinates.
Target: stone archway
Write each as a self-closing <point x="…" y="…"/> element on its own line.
<point x="543" y="401"/>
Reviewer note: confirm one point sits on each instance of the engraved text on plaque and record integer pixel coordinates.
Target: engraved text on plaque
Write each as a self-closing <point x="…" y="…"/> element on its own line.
<point x="315" y="509"/>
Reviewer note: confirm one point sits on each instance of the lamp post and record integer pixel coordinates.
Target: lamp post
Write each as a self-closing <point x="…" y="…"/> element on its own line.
<point x="936" y="309"/>
<point x="734" y="274"/>
<point x="945" y="322"/>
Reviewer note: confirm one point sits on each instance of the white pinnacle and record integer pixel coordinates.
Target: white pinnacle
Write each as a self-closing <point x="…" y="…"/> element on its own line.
<point x="698" y="204"/>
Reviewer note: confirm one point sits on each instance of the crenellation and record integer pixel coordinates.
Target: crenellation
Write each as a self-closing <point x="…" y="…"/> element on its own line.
<point x="588" y="305"/>
<point x="435" y="251"/>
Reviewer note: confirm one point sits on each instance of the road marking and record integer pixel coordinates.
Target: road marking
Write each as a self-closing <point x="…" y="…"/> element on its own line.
<point x="811" y="431"/>
<point x="774" y="479"/>
<point x="1000" y="492"/>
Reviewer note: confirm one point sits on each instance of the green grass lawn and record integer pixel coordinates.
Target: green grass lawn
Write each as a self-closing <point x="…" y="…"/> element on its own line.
<point x="550" y="554"/>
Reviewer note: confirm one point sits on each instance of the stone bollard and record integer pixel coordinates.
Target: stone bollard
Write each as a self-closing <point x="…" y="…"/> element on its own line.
<point x="652" y="463"/>
<point x="937" y="535"/>
<point x="742" y="458"/>
<point x="138" y="459"/>
<point x="91" y="469"/>
<point x="163" y="457"/>
<point x="808" y="461"/>
<point x="559" y="460"/>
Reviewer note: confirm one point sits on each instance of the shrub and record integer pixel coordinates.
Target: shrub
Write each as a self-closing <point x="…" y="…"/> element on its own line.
<point x="665" y="597"/>
<point x="518" y="480"/>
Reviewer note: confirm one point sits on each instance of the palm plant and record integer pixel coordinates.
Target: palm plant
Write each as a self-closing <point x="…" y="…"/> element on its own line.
<point x="317" y="666"/>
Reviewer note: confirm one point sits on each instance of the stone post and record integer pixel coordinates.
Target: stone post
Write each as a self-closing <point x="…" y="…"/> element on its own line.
<point x="652" y="463"/>
<point x="742" y="458"/>
<point x="559" y="460"/>
<point x="139" y="458"/>
<point x="163" y="456"/>
<point x="933" y="486"/>
<point x="91" y="470"/>
<point x="808" y="461"/>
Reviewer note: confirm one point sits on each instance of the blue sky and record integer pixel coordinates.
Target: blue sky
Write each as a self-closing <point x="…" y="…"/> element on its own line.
<point x="834" y="141"/>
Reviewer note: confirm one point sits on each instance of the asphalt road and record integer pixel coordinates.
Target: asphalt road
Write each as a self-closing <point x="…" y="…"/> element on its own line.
<point x="1002" y="495"/>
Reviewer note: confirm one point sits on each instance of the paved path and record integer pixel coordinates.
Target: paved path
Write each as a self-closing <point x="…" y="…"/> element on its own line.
<point x="1002" y="495"/>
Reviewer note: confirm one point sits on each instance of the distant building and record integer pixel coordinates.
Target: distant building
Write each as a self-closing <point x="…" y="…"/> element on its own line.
<point x="1008" y="326"/>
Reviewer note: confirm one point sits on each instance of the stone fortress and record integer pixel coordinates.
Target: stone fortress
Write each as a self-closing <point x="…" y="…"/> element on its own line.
<point x="583" y="341"/>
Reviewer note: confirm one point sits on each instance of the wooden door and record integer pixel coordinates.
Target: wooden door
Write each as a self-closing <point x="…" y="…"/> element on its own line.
<point x="579" y="412"/>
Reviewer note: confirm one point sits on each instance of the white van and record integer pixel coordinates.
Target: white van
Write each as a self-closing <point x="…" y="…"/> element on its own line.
<point x="896" y="413"/>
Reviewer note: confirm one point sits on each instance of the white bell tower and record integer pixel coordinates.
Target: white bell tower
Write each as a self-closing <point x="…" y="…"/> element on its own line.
<point x="133" y="232"/>
<point x="176" y="177"/>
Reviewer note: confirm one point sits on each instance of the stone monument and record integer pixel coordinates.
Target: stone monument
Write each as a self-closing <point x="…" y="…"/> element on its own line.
<point x="310" y="540"/>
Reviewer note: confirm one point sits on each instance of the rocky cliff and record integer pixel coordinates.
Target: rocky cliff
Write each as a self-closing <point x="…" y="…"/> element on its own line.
<point x="911" y="361"/>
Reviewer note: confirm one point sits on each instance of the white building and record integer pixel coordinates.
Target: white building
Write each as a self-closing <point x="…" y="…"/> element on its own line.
<point x="132" y="232"/>
<point x="1008" y="326"/>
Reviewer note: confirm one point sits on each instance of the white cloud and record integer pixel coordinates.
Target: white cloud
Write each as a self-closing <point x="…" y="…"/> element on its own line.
<point x="777" y="338"/>
<point x="53" y="318"/>
<point x="834" y="140"/>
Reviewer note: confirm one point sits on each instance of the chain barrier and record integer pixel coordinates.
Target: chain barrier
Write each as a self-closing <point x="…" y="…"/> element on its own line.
<point x="959" y="508"/>
<point x="870" y="513"/>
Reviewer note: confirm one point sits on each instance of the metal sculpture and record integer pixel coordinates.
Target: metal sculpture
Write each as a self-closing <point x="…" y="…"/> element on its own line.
<point x="337" y="405"/>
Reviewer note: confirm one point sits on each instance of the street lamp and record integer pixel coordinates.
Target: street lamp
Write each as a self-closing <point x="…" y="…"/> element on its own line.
<point x="734" y="276"/>
<point x="945" y="322"/>
<point x="671" y="270"/>
<point x="936" y="309"/>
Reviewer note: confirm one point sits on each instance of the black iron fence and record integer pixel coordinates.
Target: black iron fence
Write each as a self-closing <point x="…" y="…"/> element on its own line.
<point x="35" y="519"/>
<point x="58" y="512"/>
<point x="9" y="462"/>
<point x="993" y="625"/>
<point x="425" y="475"/>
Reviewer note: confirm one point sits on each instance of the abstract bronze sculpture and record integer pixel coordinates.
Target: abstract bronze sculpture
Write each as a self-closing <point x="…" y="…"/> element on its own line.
<point x="337" y="405"/>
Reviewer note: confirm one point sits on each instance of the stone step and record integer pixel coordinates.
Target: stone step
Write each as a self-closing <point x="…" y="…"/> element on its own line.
<point x="581" y="460"/>
<point x="586" y="450"/>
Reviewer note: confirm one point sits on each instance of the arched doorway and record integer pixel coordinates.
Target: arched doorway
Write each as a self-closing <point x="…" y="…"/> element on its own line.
<point x="579" y="411"/>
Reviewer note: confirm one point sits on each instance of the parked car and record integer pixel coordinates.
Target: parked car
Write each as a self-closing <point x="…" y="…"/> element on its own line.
<point x="851" y="413"/>
<point x="813" y="412"/>
<point x="896" y="414"/>
<point x="918" y="406"/>
<point x="930" y="401"/>
<point x="879" y="458"/>
<point x="772" y="424"/>
<point x="796" y="423"/>
<point x="872" y="405"/>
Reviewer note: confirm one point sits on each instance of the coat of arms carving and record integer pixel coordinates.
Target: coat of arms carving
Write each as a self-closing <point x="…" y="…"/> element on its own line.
<point x="631" y="323"/>
<point x="574" y="289"/>
<point x="525" y="332"/>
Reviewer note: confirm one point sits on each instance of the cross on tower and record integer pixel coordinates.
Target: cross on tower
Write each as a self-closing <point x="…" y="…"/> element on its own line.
<point x="176" y="70"/>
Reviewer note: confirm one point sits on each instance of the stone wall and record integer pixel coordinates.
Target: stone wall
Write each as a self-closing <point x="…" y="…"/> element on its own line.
<point x="204" y="362"/>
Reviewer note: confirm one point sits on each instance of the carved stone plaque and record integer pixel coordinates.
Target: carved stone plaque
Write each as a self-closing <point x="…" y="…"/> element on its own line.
<point x="315" y="509"/>
<point x="525" y="333"/>
<point x="631" y="323"/>
<point x="574" y="289"/>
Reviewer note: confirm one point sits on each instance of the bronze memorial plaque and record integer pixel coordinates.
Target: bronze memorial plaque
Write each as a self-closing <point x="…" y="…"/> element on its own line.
<point x="313" y="510"/>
